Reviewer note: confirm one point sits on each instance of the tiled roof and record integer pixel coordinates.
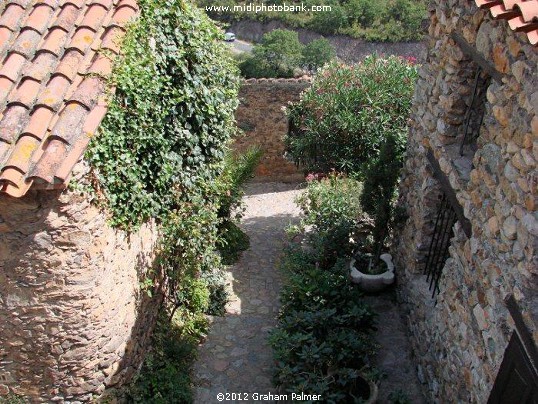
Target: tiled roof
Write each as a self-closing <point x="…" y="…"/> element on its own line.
<point x="52" y="87"/>
<point x="522" y="15"/>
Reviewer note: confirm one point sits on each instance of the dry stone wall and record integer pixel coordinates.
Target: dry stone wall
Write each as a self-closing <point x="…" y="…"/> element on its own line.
<point x="260" y="115"/>
<point x="460" y="337"/>
<point x="73" y="320"/>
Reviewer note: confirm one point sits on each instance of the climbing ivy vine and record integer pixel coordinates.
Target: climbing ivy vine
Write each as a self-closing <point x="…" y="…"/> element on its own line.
<point x="160" y="155"/>
<point x="171" y="115"/>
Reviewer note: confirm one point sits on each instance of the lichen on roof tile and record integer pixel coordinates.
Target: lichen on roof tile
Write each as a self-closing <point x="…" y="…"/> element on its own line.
<point x="52" y="82"/>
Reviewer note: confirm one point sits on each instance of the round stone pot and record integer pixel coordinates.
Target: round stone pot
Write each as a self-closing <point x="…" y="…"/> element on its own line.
<point x="373" y="283"/>
<point x="366" y="389"/>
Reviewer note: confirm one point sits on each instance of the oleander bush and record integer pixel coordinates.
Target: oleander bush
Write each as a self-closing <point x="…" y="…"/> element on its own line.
<point x="341" y="121"/>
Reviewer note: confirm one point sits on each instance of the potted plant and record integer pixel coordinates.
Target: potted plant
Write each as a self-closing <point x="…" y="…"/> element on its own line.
<point x="371" y="268"/>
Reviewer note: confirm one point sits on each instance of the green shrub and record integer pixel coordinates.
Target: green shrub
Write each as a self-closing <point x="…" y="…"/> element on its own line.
<point x="165" y="376"/>
<point x="341" y="120"/>
<point x="323" y="339"/>
<point x="238" y="169"/>
<point x="331" y="207"/>
<point x="317" y="53"/>
<point x="232" y="242"/>
<point x="377" y="198"/>
<point x="278" y="54"/>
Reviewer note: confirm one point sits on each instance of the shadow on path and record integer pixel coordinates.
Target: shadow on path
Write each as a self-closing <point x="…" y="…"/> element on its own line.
<point x="236" y="357"/>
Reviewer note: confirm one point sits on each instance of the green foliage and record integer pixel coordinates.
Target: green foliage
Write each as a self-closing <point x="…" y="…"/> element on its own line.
<point x="238" y="169"/>
<point x="277" y="55"/>
<point x="399" y="397"/>
<point x="371" y="20"/>
<point x="331" y="207"/>
<point x="380" y="187"/>
<point x="323" y="339"/>
<point x="171" y="116"/>
<point x="341" y="120"/>
<point x="328" y="23"/>
<point x="13" y="399"/>
<point x="164" y="377"/>
<point x="317" y="53"/>
<point x="233" y="241"/>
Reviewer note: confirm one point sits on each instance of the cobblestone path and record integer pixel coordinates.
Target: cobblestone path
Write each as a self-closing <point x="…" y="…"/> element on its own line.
<point x="236" y="357"/>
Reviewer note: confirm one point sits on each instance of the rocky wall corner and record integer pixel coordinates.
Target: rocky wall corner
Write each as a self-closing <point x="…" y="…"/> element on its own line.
<point x="73" y="320"/>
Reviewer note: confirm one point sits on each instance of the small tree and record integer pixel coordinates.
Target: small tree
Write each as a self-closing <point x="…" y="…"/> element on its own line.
<point x="317" y="53"/>
<point x="279" y="54"/>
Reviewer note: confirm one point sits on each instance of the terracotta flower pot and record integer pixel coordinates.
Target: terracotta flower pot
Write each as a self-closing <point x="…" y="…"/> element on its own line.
<point x="373" y="283"/>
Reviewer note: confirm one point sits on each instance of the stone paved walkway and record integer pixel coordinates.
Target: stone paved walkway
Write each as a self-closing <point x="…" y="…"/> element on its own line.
<point x="236" y="357"/>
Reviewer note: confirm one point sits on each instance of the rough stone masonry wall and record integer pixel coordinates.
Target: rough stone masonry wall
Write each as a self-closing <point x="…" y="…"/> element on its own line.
<point x="72" y="318"/>
<point x="260" y="115"/>
<point x="460" y="341"/>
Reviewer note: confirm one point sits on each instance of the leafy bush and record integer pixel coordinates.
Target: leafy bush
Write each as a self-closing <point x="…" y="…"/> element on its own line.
<point x="317" y="53"/>
<point x="277" y="55"/>
<point x="233" y="240"/>
<point x="331" y="207"/>
<point x="380" y="188"/>
<point x="323" y="339"/>
<point x="164" y="377"/>
<point x="341" y="120"/>
<point x="238" y="169"/>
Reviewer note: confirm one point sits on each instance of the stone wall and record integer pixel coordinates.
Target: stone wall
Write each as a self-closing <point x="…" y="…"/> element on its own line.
<point x="73" y="320"/>
<point x="460" y="336"/>
<point x="260" y="115"/>
<point x="348" y="49"/>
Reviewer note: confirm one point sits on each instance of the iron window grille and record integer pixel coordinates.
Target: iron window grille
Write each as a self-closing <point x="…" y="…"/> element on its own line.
<point x="474" y="115"/>
<point x="440" y="242"/>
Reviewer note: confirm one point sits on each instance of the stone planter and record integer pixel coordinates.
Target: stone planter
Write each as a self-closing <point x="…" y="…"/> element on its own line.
<point x="373" y="283"/>
<point x="372" y="398"/>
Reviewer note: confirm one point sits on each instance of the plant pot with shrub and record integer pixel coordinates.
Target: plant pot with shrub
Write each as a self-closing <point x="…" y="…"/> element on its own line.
<point x="371" y="267"/>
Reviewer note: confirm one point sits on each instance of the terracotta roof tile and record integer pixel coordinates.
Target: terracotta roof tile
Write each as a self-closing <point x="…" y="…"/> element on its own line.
<point x="26" y="43"/>
<point x="39" y="17"/>
<point x="12" y="66"/>
<point x="27" y="92"/>
<point x="67" y="17"/>
<point x="52" y="85"/>
<point x="12" y="16"/>
<point x="55" y="41"/>
<point x="41" y="66"/>
<point x="522" y="15"/>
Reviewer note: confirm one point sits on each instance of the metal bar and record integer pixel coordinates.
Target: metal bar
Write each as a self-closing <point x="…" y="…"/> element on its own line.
<point x="451" y="195"/>
<point x="428" y="257"/>
<point x="470" y="109"/>
<point x="445" y="253"/>
<point x="439" y="258"/>
<point x="471" y="52"/>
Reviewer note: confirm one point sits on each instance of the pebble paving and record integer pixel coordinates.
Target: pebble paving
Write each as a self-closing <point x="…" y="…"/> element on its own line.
<point x="236" y="357"/>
